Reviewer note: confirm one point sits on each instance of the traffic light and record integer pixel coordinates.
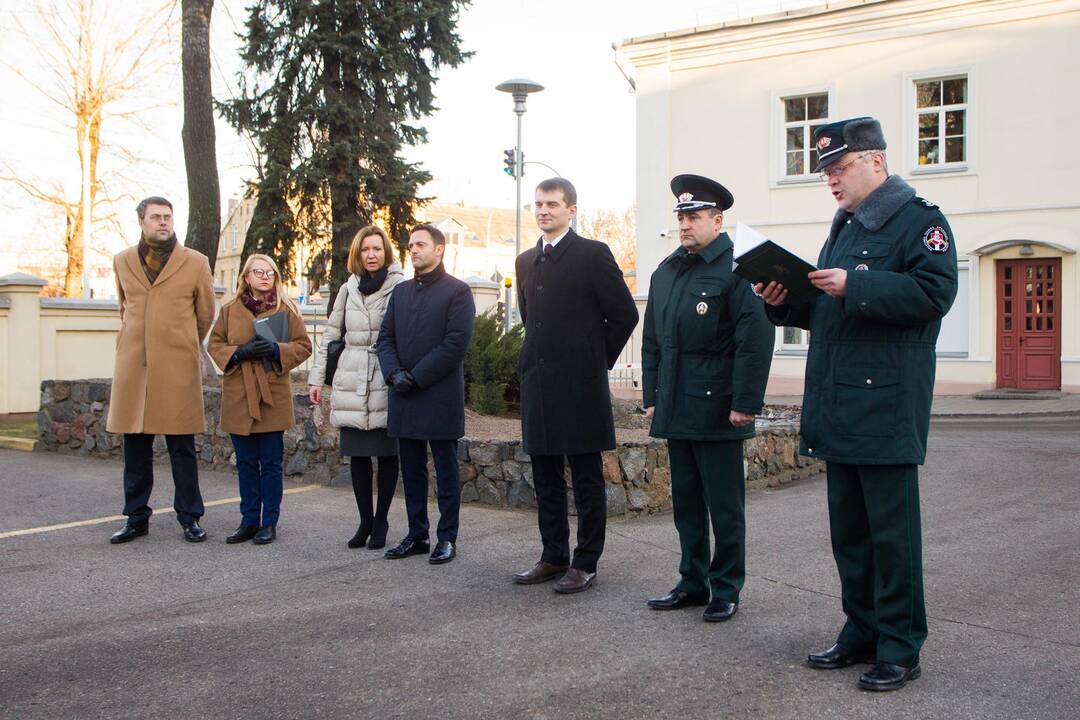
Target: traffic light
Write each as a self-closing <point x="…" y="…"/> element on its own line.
<point x="510" y="161"/>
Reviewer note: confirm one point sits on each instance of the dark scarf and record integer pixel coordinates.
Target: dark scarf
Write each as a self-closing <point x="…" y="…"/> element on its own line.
<point x="431" y="276"/>
<point x="370" y="283"/>
<point x="258" y="307"/>
<point x="154" y="255"/>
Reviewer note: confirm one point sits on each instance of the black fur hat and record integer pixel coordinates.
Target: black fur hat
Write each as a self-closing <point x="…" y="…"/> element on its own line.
<point x="844" y="136"/>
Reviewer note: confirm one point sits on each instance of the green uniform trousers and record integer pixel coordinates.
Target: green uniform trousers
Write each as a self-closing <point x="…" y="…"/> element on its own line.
<point x="707" y="487"/>
<point x="877" y="542"/>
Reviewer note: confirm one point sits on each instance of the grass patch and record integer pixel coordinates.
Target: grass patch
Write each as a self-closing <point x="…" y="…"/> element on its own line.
<point x="25" y="429"/>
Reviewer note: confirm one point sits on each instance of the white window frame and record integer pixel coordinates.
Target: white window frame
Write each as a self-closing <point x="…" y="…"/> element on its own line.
<point x="967" y="271"/>
<point x="782" y="348"/>
<point x="778" y="136"/>
<point x="911" y="122"/>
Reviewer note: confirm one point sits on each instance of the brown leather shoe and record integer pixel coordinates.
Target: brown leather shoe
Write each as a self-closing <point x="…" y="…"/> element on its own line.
<point x="575" y="581"/>
<point x="541" y="572"/>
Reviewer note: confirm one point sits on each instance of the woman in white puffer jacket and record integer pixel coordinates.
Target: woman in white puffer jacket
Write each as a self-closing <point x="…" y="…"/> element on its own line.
<point x="358" y="402"/>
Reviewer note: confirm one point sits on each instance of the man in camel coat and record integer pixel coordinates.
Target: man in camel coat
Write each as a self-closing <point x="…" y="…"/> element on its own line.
<point x="166" y="297"/>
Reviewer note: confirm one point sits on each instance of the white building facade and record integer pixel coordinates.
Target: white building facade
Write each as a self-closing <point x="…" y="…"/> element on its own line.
<point x="980" y="111"/>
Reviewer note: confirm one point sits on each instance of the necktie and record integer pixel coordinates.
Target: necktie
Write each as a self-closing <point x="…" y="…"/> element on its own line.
<point x="547" y="248"/>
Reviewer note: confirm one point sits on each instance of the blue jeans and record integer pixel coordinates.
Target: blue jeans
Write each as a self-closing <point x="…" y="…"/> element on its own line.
<point x="258" y="464"/>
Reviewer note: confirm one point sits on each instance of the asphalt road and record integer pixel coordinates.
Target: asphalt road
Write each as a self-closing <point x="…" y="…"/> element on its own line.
<point x="306" y="628"/>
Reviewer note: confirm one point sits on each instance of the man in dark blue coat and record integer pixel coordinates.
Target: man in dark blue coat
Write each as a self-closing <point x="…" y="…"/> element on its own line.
<point x="422" y="344"/>
<point x="888" y="274"/>
<point x="578" y="315"/>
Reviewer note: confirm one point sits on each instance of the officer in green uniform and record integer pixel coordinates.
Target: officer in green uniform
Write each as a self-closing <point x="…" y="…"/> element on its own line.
<point x="888" y="272"/>
<point x="706" y="351"/>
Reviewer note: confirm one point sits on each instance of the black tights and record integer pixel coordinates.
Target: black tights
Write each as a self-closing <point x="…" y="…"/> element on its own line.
<point x="360" y="468"/>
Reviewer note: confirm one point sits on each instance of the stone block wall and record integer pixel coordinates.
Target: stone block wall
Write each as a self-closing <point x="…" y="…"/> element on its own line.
<point x="493" y="472"/>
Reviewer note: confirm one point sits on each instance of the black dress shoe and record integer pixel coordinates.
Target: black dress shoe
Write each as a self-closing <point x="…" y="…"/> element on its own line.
<point x="194" y="533"/>
<point x="678" y="599"/>
<point x="408" y="546"/>
<point x="360" y="538"/>
<point x="886" y="676"/>
<point x="839" y="656"/>
<point x="129" y="532"/>
<point x="266" y="535"/>
<point x="242" y="534"/>
<point x="719" y="610"/>
<point x="444" y="552"/>
<point x="377" y="541"/>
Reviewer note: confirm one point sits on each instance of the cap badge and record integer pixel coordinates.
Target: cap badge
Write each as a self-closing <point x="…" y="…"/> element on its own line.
<point x="686" y="197"/>
<point x="702" y="308"/>
<point x="823" y="142"/>
<point x="936" y="240"/>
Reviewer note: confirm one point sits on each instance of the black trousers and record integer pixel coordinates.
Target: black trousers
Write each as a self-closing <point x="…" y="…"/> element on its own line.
<point x="139" y="477"/>
<point x="590" y="497"/>
<point x="414" y="479"/>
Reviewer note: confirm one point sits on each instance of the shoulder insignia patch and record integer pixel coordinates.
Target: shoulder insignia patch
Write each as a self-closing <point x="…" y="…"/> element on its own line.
<point x="936" y="240"/>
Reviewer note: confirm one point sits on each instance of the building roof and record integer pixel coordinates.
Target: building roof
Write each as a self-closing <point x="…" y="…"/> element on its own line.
<point x="818" y="9"/>
<point x="496" y="224"/>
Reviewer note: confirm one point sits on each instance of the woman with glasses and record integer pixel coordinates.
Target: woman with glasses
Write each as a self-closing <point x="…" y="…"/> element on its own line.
<point x="256" y="396"/>
<point x="358" y="403"/>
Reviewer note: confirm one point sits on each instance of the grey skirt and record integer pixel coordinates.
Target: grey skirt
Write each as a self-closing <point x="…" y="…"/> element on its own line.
<point x="367" y="443"/>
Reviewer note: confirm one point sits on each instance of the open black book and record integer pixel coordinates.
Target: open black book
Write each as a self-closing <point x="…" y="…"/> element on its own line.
<point x="759" y="259"/>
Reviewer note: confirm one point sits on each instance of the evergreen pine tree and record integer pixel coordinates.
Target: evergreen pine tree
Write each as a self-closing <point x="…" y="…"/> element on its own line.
<point x="331" y="95"/>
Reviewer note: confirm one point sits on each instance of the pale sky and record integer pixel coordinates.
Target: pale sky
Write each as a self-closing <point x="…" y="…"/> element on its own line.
<point x="582" y="124"/>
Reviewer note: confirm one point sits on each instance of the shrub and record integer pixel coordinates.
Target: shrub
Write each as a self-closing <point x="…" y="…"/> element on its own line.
<point x="491" y="376"/>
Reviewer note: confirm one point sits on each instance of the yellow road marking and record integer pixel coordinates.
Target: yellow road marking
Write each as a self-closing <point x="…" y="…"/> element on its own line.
<point x="115" y="518"/>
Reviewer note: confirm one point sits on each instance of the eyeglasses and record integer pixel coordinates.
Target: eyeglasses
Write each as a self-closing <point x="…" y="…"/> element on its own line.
<point x="838" y="170"/>
<point x="264" y="274"/>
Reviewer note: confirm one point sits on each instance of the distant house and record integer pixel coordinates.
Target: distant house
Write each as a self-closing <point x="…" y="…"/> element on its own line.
<point x="978" y="104"/>
<point x="231" y="243"/>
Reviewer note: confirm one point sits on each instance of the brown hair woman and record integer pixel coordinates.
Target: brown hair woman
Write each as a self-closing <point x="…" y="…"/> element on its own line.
<point x="358" y="402"/>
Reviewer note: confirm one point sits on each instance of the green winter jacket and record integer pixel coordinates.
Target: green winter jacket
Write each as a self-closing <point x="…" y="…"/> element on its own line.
<point x="706" y="348"/>
<point x="871" y="363"/>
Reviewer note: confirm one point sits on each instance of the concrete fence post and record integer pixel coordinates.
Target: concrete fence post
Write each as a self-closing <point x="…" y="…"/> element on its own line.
<point x="485" y="293"/>
<point x="20" y="333"/>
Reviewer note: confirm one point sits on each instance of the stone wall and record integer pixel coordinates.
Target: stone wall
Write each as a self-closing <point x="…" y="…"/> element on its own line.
<point x="493" y="472"/>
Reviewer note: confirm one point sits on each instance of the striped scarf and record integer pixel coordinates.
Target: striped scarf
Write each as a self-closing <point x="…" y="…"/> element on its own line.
<point x="154" y="254"/>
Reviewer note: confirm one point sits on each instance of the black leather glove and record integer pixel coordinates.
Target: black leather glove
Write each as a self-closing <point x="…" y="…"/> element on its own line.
<point x="245" y="352"/>
<point x="403" y="382"/>
<point x="263" y="348"/>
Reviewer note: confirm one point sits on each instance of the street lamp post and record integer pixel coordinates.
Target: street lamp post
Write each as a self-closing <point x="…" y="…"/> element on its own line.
<point x="520" y="89"/>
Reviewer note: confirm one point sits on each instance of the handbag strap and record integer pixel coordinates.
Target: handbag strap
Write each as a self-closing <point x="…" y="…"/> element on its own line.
<point x="344" y="311"/>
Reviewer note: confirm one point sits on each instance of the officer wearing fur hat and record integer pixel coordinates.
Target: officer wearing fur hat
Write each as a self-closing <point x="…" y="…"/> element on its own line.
<point x="888" y="272"/>
<point x="706" y="351"/>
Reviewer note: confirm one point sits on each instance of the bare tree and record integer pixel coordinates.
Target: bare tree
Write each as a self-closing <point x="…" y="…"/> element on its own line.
<point x="200" y="153"/>
<point x="93" y="68"/>
<point x="617" y="228"/>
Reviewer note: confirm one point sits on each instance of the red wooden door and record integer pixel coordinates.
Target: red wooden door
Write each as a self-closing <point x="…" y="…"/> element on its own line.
<point x="1029" y="324"/>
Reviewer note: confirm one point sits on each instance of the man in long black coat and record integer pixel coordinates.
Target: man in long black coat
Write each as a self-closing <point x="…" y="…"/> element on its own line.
<point x="578" y="315"/>
<point x="421" y="347"/>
